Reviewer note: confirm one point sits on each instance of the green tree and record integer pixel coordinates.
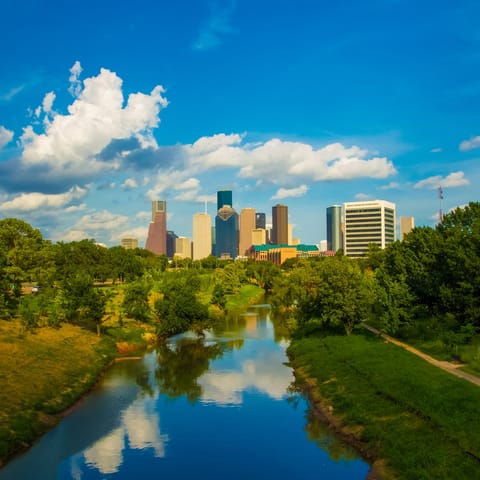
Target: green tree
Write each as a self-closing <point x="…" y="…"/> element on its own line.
<point x="218" y="296"/>
<point x="458" y="265"/>
<point x="20" y="257"/>
<point x="82" y="303"/>
<point x="210" y="262"/>
<point x="135" y="301"/>
<point x="179" y="309"/>
<point x="125" y="265"/>
<point x="330" y="293"/>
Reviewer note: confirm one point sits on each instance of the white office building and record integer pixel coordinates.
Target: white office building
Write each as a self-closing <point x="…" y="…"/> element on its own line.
<point x="366" y="223"/>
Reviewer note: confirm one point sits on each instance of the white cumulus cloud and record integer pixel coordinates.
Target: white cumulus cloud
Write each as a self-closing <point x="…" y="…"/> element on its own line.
<point x="129" y="184"/>
<point x="71" y="143"/>
<point x="277" y="159"/>
<point x="5" y="136"/>
<point x="455" y="179"/>
<point x="33" y="201"/>
<point x="290" y="192"/>
<point x="75" y="84"/>
<point x="47" y="103"/>
<point x="470" y="144"/>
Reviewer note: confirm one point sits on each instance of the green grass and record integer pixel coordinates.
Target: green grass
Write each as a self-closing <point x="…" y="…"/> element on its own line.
<point x="42" y="374"/>
<point x="247" y="295"/>
<point x="467" y="354"/>
<point x="421" y="420"/>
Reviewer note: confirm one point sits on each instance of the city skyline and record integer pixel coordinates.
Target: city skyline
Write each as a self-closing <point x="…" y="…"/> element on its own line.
<point x="309" y="104"/>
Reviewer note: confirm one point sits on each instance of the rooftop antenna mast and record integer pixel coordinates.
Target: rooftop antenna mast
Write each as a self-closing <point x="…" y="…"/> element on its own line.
<point x="206" y="206"/>
<point x="440" y="198"/>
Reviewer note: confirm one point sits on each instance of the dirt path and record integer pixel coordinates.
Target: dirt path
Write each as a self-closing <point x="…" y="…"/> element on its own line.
<point x="447" y="366"/>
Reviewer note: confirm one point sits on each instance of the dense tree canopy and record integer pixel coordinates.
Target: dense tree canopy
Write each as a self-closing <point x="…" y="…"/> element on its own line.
<point x="427" y="285"/>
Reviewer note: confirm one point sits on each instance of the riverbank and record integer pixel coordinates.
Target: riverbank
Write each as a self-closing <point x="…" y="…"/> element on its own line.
<point x="409" y="419"/>
<point x="42" y="374"/>
<point x="45" y="373"/>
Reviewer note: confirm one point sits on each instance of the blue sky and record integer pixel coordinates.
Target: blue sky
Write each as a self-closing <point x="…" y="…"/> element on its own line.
<point x="105" y="106"/>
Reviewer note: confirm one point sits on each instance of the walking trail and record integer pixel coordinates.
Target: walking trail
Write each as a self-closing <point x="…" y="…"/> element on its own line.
<point x="447" y="366"/>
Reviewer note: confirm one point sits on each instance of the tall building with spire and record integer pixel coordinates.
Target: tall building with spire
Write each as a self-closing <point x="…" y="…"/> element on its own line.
<point x="157" y="230"/>
<point x="279" y="225"/>
<point x="202" y="236"/>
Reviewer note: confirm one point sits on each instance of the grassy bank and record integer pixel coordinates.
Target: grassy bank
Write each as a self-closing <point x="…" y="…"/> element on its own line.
<point x="420" y="420"/>
<point x="248" y="294"/>
<point x="42" y="374"/>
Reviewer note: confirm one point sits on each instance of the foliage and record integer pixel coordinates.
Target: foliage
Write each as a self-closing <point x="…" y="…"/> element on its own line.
<point x="232" y="276"/>
<point x="180" y="309"/>
<point x="327" y="294"/>
<point x="28" y="310"/>
<point x="218" y="296"/>
<point x="82" y="303"/>
<point x="135" y="301"/>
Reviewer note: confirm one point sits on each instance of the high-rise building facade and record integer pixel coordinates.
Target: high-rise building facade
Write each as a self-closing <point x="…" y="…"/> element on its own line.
<point x="279" y="225"/>
<point x="157" y="230"/>
<point x="224" y="197"/>
<point x="171" y="239"/>
<point x="406" y="225"/>
<point x="183" y="248"/>
<point x="226" y="233"/>
<point x="129" y="243"/>
<point x="334" y="228"/>
<point x="260" y="220"/>
<point x="259" y="236"/>
<point x="247" y="225"/>
<point x="226" y="226"/>
<point x="202" y="236"/>
<point x="366" y="223"/>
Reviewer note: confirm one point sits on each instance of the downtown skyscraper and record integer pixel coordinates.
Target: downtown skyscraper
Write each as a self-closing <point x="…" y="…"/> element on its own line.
<point x="202" y="236"/>
<point x="157" y="230"/>
<point x="366" y="223"/>
<point x="334" y="228"/>
<point x="247" y="225"/>
<point x="226" y="226"/>
<point x="279" y="225"/>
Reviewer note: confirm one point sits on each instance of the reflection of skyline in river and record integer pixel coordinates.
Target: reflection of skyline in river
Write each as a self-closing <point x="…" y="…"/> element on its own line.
<point x="246" y="369"/>
<point x="161" y="420"/>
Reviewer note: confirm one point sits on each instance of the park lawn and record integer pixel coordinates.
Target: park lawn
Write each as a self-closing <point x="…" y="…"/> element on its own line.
<point x="42" y="374"/>
<point x="421" y="421"/>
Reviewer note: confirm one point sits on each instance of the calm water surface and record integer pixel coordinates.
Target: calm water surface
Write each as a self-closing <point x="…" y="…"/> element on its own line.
<point x="211" y="408"/>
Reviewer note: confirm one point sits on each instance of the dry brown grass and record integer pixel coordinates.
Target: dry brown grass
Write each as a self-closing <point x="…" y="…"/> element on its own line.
<point x="43" y="373"/>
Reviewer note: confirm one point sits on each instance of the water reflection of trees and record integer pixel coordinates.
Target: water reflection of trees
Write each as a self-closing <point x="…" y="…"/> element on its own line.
<point x="180" y="366"/>
<point x="318" y="432"/>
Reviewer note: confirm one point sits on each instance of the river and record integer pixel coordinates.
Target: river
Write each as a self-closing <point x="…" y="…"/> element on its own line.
<point x="205" y="408"/>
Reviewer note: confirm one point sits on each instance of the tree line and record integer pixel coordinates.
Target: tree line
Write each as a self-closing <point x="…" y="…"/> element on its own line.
<point x="425" y="286"/>
<point x="70" y="278"/>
